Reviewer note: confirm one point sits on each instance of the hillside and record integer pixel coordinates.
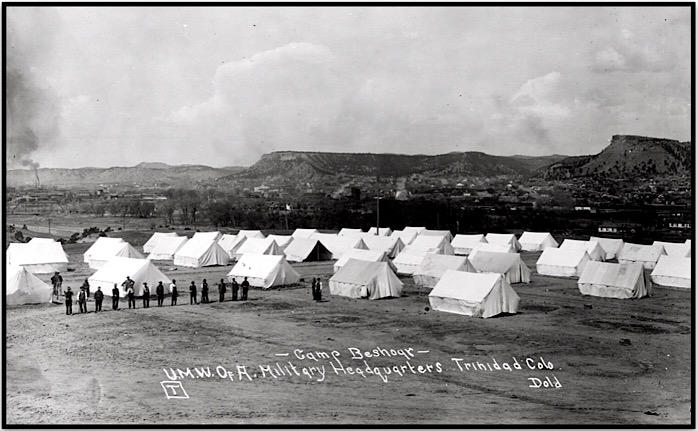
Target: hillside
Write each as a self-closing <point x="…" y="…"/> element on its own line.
<point x="308" y="165"/>
<point x="628" y="157"/>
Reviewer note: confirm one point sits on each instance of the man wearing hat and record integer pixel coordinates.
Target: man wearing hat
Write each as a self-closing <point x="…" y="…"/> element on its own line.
<point x="192" y="294"/>
<point x="99" y="296"/>
<point x="86" y="286"/>
<point x="82" y="300"/>
<point x="160" y="292"/>
<point x="57" y="282"/>
<point x="131" y="298"/>
<point x="146" y="296"/>
<point x="115" y="298"/>
<point x="68" y="301"/>
<point x="245" y="286"/>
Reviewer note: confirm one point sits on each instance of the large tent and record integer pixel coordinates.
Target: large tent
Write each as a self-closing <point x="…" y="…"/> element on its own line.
<point x="463" y="244"/>
<point x="207" y="236"/>
<point x="443" y="233"/>
<point x="104" y="249"/>
<point x="364" y="255"/>
<point x="504" y="239"/>
<point x="560" y="262"/>
<point x="494" y="248"/>
<point x="614" y="280"/>
<point x="433" y="266"/>
<point x="231" y="243"/>
<point x="593" y="248"/>
<point x="153" y="241"/>
<point x="346" y="231"/>
<point x="384" y="231"/>
<point x="40" y="257"/>
<point x="264" y="270"/>
<point x="304" y="233"/>
<point x="405" y="236"/>
<point x="281" y="240"/>
<point x="612" y="246"/>
<point x="361" y="279"/>
<point x="307" y="250"/>
<point x="23" y="287"/>
<point x="259" y="246"/>
<point x="140" y="270"/>
<point x="391" y="245"/>
<point x="678" y="249"/>
<point x="433" y="244"/>
<point x="673" y="271"/>
<point x="409" y="259"/>
<point x="338" y="245"/>
<point x="536" y="241"/>
<point x="647" y="255"/>
<point x="474" y="294"/>
<point x="508" y="264"/>
<point x="167" y="247"/>
<point x="201" y="252"/>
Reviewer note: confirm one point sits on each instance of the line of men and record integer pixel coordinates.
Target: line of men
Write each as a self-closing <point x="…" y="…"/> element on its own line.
<point x="129" y="287"/>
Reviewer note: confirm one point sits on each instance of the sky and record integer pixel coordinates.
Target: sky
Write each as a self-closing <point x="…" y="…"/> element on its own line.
<point x="221" y="86"/>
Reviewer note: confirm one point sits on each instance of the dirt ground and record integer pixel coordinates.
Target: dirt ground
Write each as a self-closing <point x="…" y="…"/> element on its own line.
<point x="613" y="361"/>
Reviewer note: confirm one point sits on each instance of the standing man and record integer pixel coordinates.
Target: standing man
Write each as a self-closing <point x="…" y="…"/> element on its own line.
<point x="221" y="290"/>
<point x="115" y="298"/>
<point x="146" y="296"/>
<point x="245" y="286"/>
<point x="57" y="282"/>
<point x="99" y="296"/>
<point x="313" y="287"/>
<point x="175" y="294"/>
<point x="128" y="283"/>
<point x="160" y="292"/>
<point x="82" y="301"/>
<point x="204" y="292"/>
<point x="131" y="298"/>
<point x="235" y="288"/>
<point x="68" y="301"/>
<point x="319" y="290"/>
<point x="192" y="294"/>
<point x="86" y="286"/>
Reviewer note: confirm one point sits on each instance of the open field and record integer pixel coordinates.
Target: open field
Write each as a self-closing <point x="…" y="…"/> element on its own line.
<point x="617" y="361"/>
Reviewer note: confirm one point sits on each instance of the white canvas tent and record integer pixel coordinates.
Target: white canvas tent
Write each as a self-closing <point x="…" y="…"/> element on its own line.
<point x="338" y="245"/>
<point x="140" y="270"/>
<point x="405" y="236"/>
<point x="493" y="248"/>
<point x="167" y="247"/>
<point x="474" y="294"/>
<point x="231" y="243"/>
<point x="250" y="234"/>
<point x="40" y="257"/>
<point x="593" y="248"/>
<point x="281" y="240"/>
<point x="361" y="279"/>
<point x="637" y="253"/>
<point x="612" y="246"/>
<point x="560" y="262"/>
<point x="346" y="231"/>
<point x="392" y="246"/>
<point x="259" y="246"/>
<point x="98" y="246"/>
<point x="37" y="240"/>
<point x="304" y="233"/>
<point x="414" y="229"/>
<point x="207" y="236"/>
<point x="384" y="231"/>
<point x="409" y="260"/>
<point x="22" y="287"/>
<point x="504" y="239"/>
<point x="433" y="244"/>
<point x="508" y="264"/>
<point x="201" y="252"/>
<point x="264" y="270"/>
<point x="536" y="241"/>
<point x="680" y="249"/>
<point x="614" y="280"/>
<point x="102" y="252"/>
<point x="673" y="271"/>
<point x="153" y="241"/>
<point x="444" y="233"/>
<point x="364" y="255"/>
<point x="463" y="244"/>
<point x="433" y="266"/>
<point x="307" y="250"/>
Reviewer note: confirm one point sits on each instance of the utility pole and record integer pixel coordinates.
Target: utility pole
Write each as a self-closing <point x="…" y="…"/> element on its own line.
<point x="378" y="215"/>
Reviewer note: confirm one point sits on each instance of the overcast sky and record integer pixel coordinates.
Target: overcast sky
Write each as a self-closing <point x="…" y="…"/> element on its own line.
<point x="99" y="86"/>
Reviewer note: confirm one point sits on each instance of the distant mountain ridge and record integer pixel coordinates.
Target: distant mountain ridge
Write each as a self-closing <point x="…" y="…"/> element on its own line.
<point x="628" y="156"/>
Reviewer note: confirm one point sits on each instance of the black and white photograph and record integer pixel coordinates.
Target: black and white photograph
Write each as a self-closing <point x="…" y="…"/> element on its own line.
<point x="353" y="214"/>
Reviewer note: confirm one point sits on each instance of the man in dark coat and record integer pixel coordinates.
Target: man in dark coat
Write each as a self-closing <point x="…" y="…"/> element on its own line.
<point x="204" y="292"/>
<point x="130" y="294"/>
<point x="245" y="287"/>
<point x="160" y="292"/>
<point x="57" y="282"/>
<point x="86" y="286"/>
<point x="192" y="294"/>
<point x="221" y="290"/>
<point x="82" y="301"/>
<point x="235" y="288"/>
<point x="128" y="283"/>
<point x="68" y="301"/>
<point x="115" y="298"/>
<point x="99" y="296"/>
<point x="146" y="295"/>
<point x="175" y="294"/>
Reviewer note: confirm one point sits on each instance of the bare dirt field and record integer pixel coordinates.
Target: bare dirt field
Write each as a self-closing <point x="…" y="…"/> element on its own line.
<point x="281" y="358"/>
